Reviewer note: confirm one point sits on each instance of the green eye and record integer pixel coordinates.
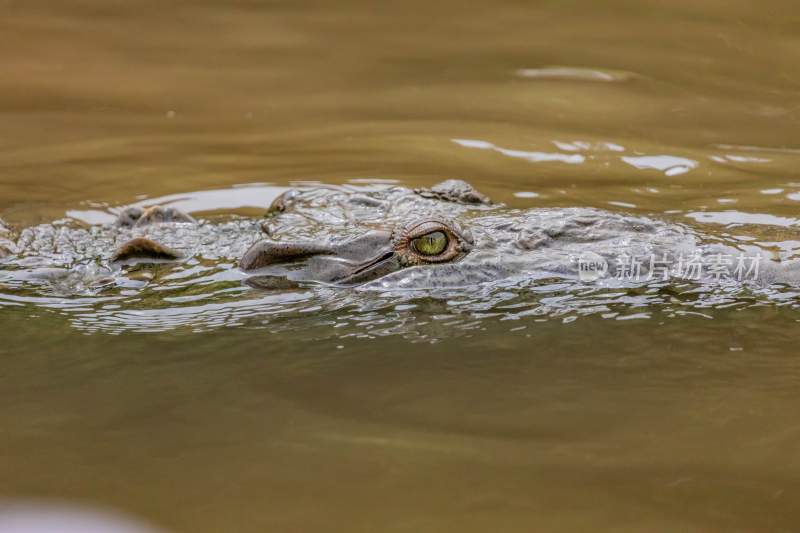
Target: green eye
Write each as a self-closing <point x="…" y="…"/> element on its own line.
<point x="433" y="243"/>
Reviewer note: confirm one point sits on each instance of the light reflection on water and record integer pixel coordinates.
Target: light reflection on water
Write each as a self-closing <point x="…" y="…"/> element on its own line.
<point x="208" y="294"/>
<point x="252" y="196"/>
<point x="211" y="294"/>
<point x="188" y="398"/>
<point x="206" y="298"/>
<point x="734" y="218"/>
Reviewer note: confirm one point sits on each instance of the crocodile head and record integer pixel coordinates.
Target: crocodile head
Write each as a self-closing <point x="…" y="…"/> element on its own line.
<point x="381" y="237"/>
<point x="446" y="236"/>
<point x="376" y="253"/>
<point x="373" y="253"/>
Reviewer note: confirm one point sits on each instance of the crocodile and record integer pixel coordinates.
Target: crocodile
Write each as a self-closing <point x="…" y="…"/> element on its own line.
<point x="449" y="235"/>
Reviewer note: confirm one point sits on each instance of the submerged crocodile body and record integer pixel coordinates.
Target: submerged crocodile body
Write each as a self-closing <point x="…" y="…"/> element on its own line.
<point x="447" y="236"/>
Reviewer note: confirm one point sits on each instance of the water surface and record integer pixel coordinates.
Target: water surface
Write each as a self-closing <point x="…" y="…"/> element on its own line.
<point x="203" y="405"/>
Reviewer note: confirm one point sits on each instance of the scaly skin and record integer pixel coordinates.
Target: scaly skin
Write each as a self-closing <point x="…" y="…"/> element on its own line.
<point x="344" y="236"/>
<point x="7" y="239"/>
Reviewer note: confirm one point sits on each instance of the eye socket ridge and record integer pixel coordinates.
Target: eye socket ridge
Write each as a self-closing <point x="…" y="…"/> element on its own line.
<point x="429" y="226"/>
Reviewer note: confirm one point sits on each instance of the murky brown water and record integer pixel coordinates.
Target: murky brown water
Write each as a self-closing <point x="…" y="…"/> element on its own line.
<point x="673" y="421"/>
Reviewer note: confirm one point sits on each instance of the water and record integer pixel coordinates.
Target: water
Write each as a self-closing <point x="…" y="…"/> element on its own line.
<point x="207" y="406"/>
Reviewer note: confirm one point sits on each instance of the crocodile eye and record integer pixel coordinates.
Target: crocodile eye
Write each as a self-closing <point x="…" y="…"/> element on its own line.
<point x="431" y="240"/>
<point x="433" y="243"/>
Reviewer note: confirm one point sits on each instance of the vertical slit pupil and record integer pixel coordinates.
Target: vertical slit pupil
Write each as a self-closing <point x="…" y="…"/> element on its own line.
<point x="432" y="243"/>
